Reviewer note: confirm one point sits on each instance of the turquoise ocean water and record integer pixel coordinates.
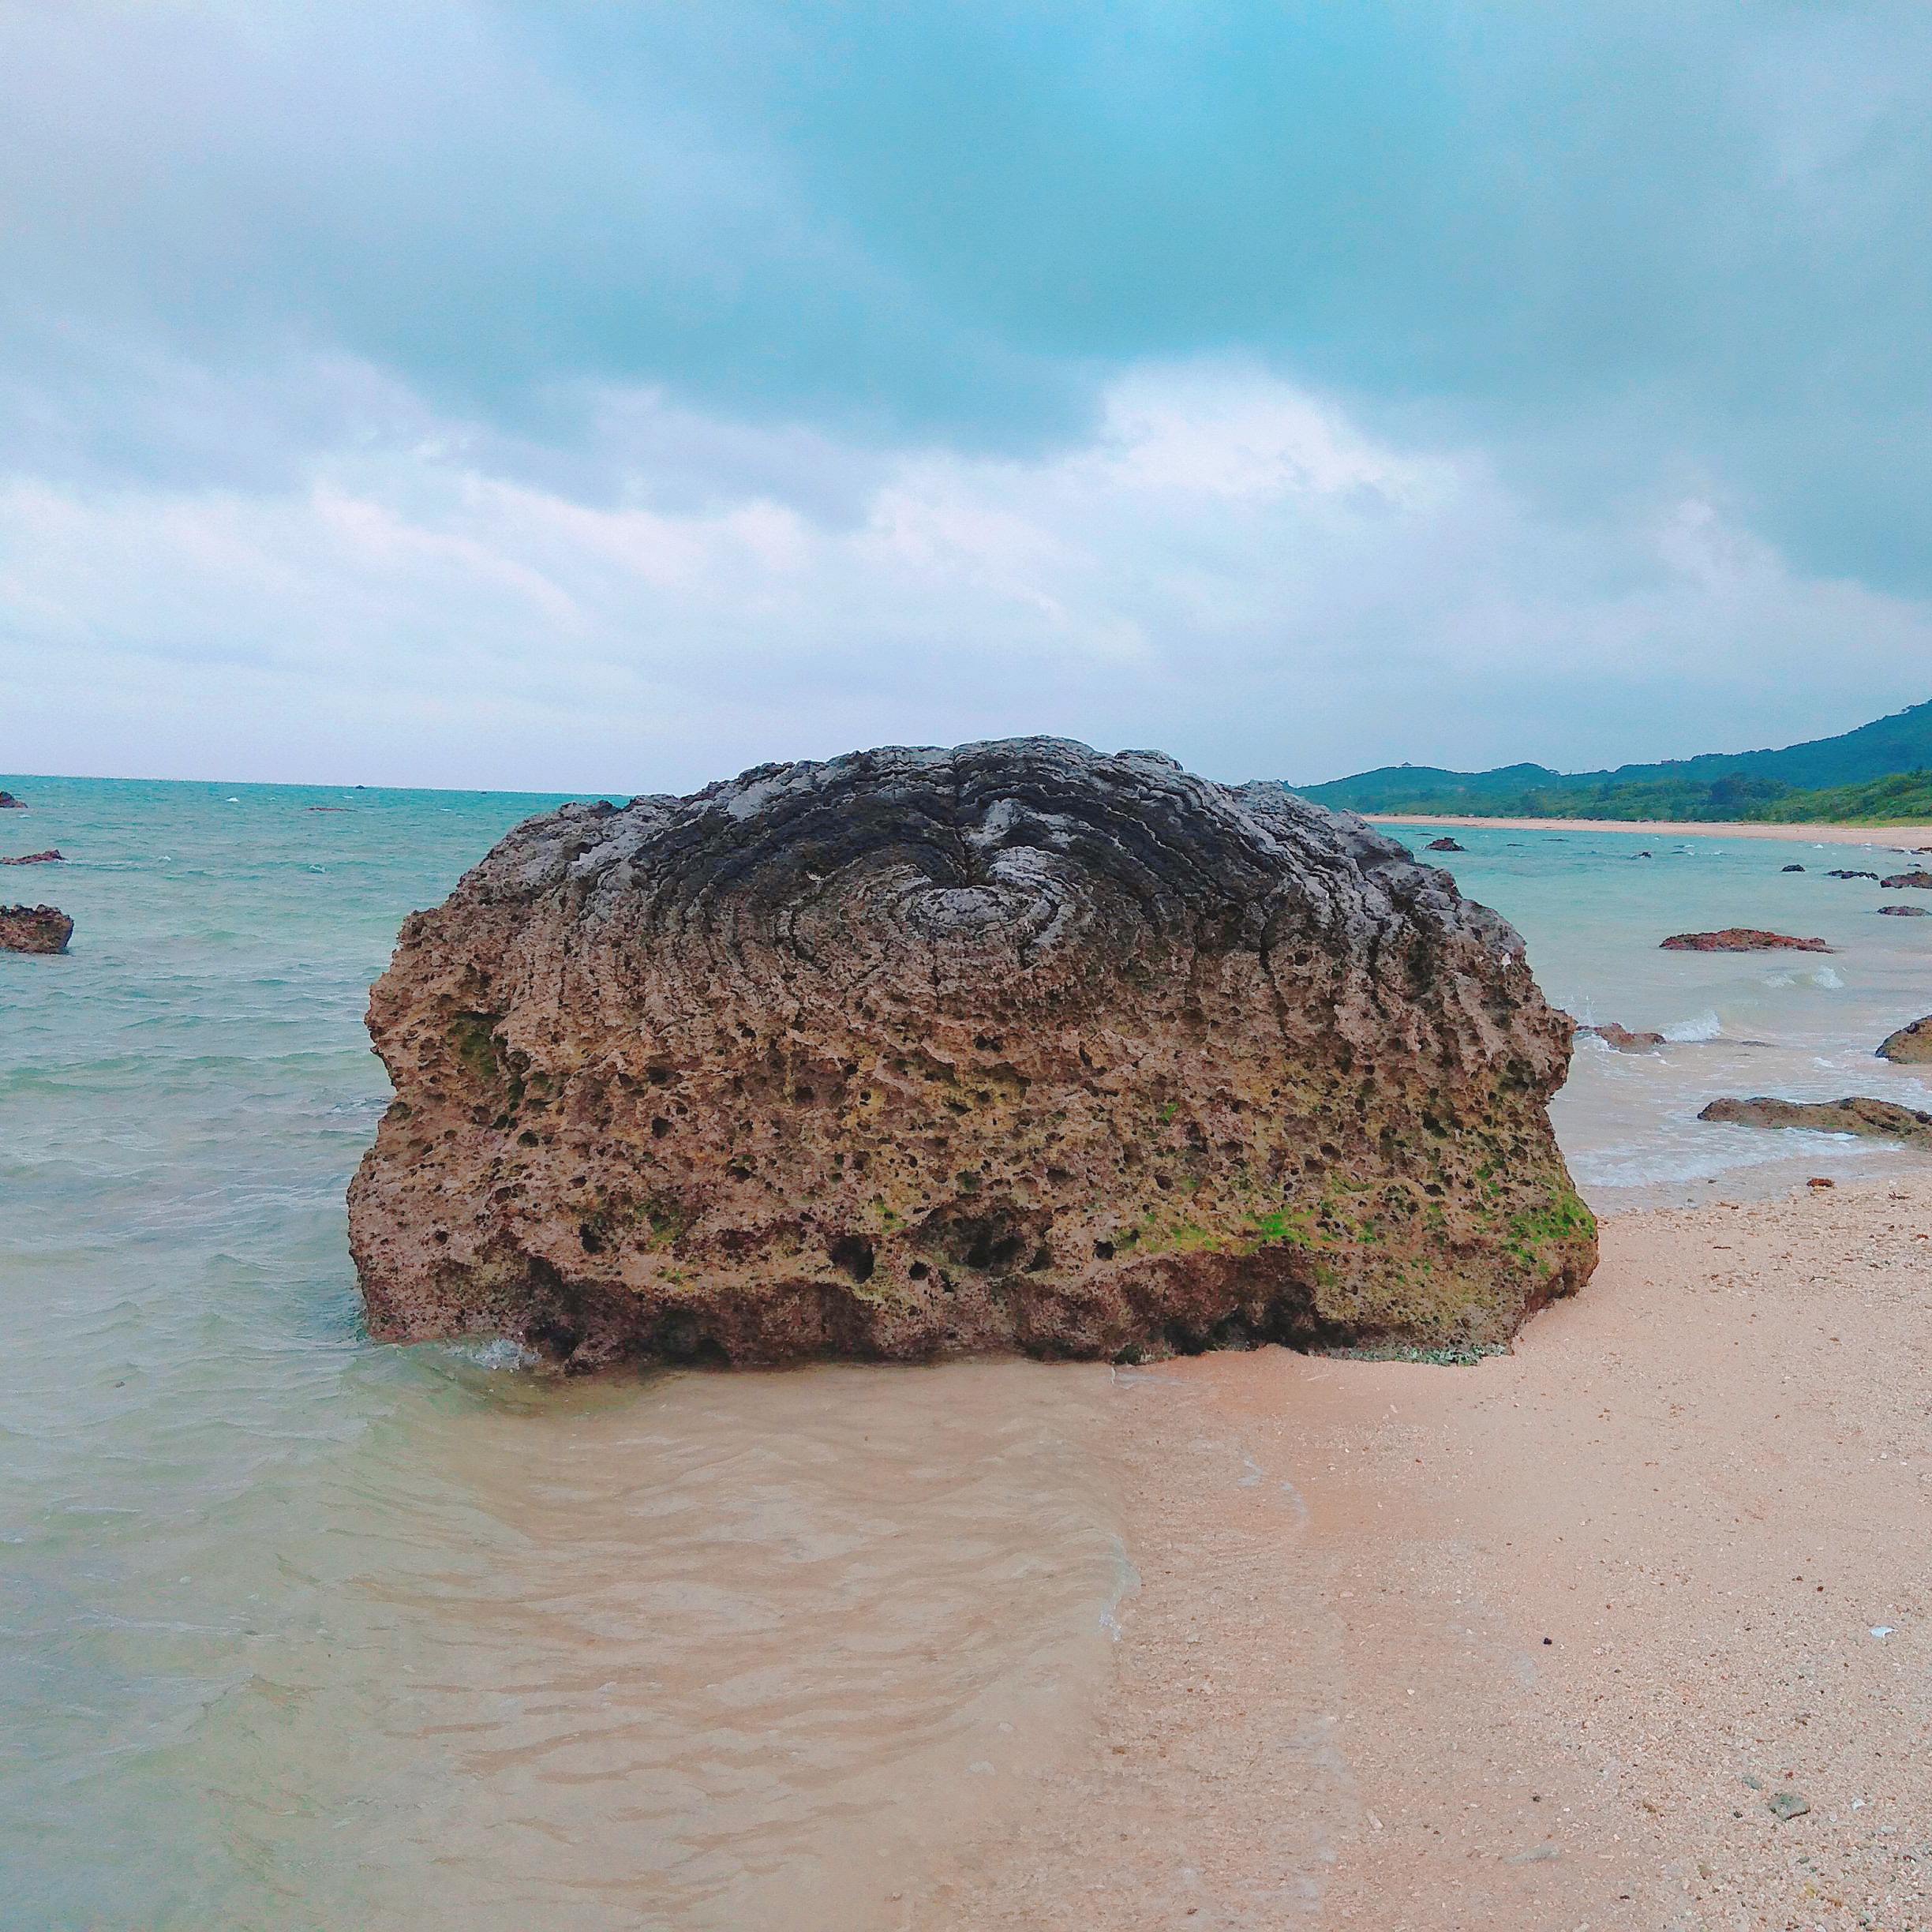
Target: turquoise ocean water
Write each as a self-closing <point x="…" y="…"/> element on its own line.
<point x="301" y="1631"/>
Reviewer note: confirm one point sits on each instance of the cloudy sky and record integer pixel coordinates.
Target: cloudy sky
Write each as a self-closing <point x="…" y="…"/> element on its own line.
<point x="590" y="396"/>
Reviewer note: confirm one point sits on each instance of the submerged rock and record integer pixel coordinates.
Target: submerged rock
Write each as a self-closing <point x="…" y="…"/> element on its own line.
<point x="1623" y="1039"/>
<point x="49" y="857"/>
<point x="1793" y="868"/>
<point x="34" y="929"/>
<point x="1016" y="1045"/>
<point x="1444" y="845"/>
<point x="1876" y="1119"/>
<point x="1741" y="939"/>
<point x="1910" y="1046"/>
<point x="1848" y="874"/>
<point x="1902" y="911"/>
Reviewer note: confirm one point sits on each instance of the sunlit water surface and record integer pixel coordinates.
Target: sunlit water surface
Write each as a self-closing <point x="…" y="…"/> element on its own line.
<point x="296" y="1630"/>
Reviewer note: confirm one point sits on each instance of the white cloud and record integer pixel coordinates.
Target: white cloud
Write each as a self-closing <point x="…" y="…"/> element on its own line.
<point x="1228" y="567"/>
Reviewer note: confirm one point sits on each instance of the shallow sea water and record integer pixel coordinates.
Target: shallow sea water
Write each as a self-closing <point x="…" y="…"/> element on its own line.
<point x="298" y="1631"/>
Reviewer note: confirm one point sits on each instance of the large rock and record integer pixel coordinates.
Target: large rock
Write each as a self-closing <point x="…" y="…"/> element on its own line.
<point x="918" y="1050"/>
<point x="34" y="929"/>
<point x="1910" y="1046"/>
<point x="1920" y="878"/>
<point x="1878" y="1120"/>
<point x="9" y="802"/>
<point x="1741" y="939"/>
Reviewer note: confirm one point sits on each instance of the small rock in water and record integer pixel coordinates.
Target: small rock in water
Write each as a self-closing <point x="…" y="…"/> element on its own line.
<point x="1794" y="868"/>
<point x="1642" y="855"/>
<point x="1787" y="1804"/>
<point x="49" y="857"/>
<point x="1741" y="939"/>
<point x="1844" y="874"/>
<point x="1444" y="845"/>
<point x="9" y="802"/>
<point x="1903" y="911"/>
<point x="1878" y="1120"/>
<point x="1910" y="1046"/>
<point x="1919" y="877"/>
<point x="1623" y="1039"/>
<point x="34" y="929"/>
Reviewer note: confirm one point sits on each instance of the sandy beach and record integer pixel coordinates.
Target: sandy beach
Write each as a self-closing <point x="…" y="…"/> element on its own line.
<point x="1900" y="837"/>
<point x="1538" y="1643"/>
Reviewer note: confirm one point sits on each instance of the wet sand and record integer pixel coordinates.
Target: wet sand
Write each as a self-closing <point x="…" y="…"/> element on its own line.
<point x="1892" y="837"/>
<point x="1534" y="1643"/>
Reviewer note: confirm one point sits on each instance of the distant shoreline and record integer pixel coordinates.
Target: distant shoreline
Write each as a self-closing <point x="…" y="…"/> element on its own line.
<point x="1817" y="834"/>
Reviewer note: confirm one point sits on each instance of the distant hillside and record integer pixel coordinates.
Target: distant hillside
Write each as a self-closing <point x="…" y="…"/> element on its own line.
<point x="1882" y="770"/>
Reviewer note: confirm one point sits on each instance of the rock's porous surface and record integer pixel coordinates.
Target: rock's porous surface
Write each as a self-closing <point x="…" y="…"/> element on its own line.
<point x="1910" y="1046"/>
<point x="34" y="929"/>
<point x="1623" y="1039"/>
<point x="1015" y="1045"/>
<point x="1920" y="879"/>
<point x="1878" y="1120"/>
<point x="49" y="857"/>
<point x="1444" y="845"/>
<point x="1741" y="939"/>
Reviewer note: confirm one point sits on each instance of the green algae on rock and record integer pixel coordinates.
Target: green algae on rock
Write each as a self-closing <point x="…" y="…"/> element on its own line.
<point x="919" y="1051"/>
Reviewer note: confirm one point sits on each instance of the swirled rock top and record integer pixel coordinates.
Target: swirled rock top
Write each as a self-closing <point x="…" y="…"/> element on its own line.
<point x="1012" y="1044"/>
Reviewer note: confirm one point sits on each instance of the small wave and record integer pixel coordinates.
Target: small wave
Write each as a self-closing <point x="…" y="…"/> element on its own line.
<point x="1706" y="1026"/>
<point x="1825" y="977"/>
<point x="499" y="1356"/>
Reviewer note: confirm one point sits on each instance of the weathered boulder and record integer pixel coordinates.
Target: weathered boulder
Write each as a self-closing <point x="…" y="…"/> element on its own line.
<point x="1910" y="1046"/>
<point x="1880" y="1120"/>
<point x="1623" y="1039"/>
<point x="49" y="857"/>
<point x="1741" y="939"/>
<point x="1444" y="845"/>
<point x="34" y="929"/>
<point x="1015" y="1045"/>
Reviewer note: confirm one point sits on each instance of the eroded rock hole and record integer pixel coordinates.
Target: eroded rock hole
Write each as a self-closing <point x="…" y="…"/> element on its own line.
<point x="853" y="1253"/>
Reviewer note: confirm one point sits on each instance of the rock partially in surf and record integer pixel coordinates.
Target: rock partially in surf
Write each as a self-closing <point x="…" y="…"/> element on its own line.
<point x="1902" y="911"/>
<point x="1741" y="939"/>
<point x="1844" y="874"/>
<point x="1444" y="845"/>
<point x="1641" y="854"/>
<point x="34" y="929"/>
<point x="1910" y="1046"/>
<point x="1013" y="1046"/>
<point x="1792" y="868"/>
<point x="1623" y="1039"/>
<point x="1878" y="1120"/>
<point x="9" y="802"/>
<point x="49" y="857"/>
<point x="1918" y="878"/>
